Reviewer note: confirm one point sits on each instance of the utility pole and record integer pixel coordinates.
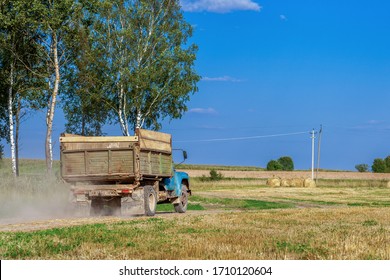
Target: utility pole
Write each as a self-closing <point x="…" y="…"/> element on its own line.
<point x="319" y="151"/>
<point x="312" y="153"/>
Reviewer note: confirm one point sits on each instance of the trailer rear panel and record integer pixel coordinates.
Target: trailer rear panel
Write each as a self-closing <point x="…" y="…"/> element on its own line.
<point x="117" y="159"/>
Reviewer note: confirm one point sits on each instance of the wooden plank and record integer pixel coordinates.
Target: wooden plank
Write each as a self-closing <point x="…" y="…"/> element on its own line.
<point x="73" y="163"/>
<point x="154" y="135"/>
<point x="122" y="161"/>
<point x="155" y="141"/>
<point x="70" y="135"/>
<point x="155" y="146"/>
<point x="98" y="139"/>
<point x="155" y="164"/>
<point x="71" y="147"/>
<point x="97" y="162"/>
<point x="116" y="177"/>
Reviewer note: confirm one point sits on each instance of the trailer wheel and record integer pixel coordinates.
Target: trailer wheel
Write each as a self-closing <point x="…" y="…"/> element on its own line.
<point x="96" y="207"/>
<point x="81" y="209"/>
<point x="150" y="198"/>
<point x="110" y="207"/>
<point x="182" y="206"/>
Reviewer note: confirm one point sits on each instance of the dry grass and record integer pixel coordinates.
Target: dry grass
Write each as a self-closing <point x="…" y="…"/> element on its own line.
<point x="357" y="233"/>
<point x="292" y="234"/>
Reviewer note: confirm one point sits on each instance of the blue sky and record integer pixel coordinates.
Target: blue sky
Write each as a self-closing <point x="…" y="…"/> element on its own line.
<point x="279" y="67"/>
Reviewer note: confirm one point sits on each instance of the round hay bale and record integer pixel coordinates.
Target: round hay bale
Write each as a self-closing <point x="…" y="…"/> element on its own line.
<point x="309" y="183"/>
<point x="273" y="182"/>
<point x="296" y="183"/>
<point x="285" y="183"/>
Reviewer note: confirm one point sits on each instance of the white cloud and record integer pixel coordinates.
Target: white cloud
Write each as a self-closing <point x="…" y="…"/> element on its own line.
<point x="219" y="6"/>
<point x="283" y="17"/>
<point x="221" y="79"/>
<point x="208" y="111"/>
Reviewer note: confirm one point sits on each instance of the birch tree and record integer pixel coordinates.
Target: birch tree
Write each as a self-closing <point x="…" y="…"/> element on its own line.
<point x="149" y="63"/>
<point x="8" y="61"/>
<point x="54" y="26"/>
<point x="17" y="60"/>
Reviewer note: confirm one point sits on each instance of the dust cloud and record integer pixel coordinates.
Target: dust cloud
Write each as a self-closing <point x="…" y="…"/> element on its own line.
<point x="26" y="199"/>
<point x="29" y="199"/>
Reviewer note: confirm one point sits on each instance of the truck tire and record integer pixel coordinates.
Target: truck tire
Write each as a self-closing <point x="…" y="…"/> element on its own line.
<point x="110" y="207"/>
<point x="150" y="199"/>
<point x="96" y="208"/>
<point x="182" y="206"/>
<point x="81" y="209"/>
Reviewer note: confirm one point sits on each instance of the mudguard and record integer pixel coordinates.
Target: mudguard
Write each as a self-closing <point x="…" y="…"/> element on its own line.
<point x="174" y="183"/>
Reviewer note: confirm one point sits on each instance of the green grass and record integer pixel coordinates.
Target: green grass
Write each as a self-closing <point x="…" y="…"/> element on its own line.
<point x="59" y="242"/>
<point x="370" y="204"/>
<point x="248" y="204"/>
<point x="170" y="208"/>
<point x="29" y="167"/>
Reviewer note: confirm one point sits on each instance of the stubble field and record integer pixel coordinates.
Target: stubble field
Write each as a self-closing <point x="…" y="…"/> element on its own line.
<point x="238" y="217"/>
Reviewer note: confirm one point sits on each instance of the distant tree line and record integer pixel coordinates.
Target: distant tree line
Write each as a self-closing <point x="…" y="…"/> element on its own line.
<point x="378" y="166"/>
<point x="124" y="62"/>
<point x="284" y="163"/>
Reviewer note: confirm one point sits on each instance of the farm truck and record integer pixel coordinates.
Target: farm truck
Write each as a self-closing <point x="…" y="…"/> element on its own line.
<point x="122" y="174"/>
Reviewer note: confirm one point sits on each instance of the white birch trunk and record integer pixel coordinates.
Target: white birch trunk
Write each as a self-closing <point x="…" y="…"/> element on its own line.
<point x="11" y="121"/>
<point x="51" y="109"/>
<point x="122" y="113"/>
<point x="17" y="129"/>
<point x="139" y="121"/>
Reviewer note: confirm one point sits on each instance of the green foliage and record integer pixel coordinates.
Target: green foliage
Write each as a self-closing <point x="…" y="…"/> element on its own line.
<point x="381" y="165"/>
<point x="274" y="165"/>
<point x="214" y="176"/>
<point x="107" y="61"/>
<point x="84" y="107"/>
<point x="287" y="163"/>
<point x="387" y="163"/>
<point x="283" y="163"/>
<point x="362" y="167"/>
<point x="378" y="166"/>
<point x="147" y="63"/>
<point x="32" y="53"/>
<point x="3" y="102"/>
<point x="1" y="151"/>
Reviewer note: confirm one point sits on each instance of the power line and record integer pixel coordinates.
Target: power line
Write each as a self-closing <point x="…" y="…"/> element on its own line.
<point x="242" y="138"/>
